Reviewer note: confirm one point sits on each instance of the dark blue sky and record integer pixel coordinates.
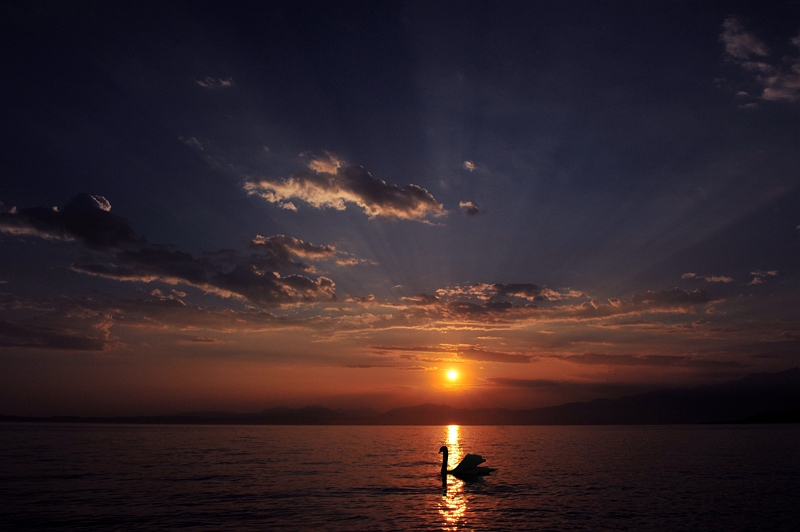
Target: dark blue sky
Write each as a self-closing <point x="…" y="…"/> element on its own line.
<point x="370" y="193"/>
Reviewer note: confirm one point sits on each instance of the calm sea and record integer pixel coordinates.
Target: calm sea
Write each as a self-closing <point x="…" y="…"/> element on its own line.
<point x="132" y="477"/>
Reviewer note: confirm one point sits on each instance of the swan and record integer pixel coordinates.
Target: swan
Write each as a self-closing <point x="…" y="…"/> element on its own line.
<point x="468" y="468"/>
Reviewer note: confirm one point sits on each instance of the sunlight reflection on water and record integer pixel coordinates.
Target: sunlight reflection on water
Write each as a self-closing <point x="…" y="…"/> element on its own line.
<point x="453" y="505"/>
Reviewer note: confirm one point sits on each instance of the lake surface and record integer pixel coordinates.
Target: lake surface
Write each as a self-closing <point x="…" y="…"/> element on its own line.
<point x="128" y="477"/>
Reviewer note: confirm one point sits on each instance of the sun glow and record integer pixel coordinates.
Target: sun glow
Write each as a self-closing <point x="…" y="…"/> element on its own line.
<point x="452" y="374"/>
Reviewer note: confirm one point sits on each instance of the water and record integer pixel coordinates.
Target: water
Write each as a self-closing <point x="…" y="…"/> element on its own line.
<point x="386" y="478"/>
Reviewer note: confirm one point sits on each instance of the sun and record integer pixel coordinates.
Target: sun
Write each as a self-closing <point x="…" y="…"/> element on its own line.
<point x="452" y="374"/>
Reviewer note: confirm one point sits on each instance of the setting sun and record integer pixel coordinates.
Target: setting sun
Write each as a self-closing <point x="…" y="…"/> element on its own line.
<point x="452" y="374"/>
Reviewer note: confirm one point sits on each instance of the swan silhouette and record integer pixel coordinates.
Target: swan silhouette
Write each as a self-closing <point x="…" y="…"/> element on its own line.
<point x="469" y="469"/>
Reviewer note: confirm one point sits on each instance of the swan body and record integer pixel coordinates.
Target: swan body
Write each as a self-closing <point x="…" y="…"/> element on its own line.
<point x="469" y="468"/>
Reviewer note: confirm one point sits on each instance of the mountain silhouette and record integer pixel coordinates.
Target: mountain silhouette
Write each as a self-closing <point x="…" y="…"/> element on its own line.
<point x="756" y="398"/>
<point x="734" y="401"/>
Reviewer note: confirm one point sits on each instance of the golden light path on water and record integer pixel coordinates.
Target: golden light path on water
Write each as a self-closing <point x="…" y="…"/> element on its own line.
<point x="453" y="504"/>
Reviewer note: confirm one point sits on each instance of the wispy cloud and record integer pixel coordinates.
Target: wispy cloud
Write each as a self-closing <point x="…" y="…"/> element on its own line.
<point x="459" y="351"/>
<point x="779" y="81"/>
<point x="329" y="184"/>
<point x="647" y="360"/>
<point x="739" y="43"/>
<point x="708" y="278"/>
<point x="215" y="83"/>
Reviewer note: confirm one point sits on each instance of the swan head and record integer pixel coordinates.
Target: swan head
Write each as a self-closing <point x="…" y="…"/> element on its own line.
<point x="443" y="449"/>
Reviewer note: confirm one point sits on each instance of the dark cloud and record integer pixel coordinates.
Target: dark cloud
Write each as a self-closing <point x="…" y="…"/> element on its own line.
<point x="364" y="300"/>
<point x="281" y="250"/>
<point x="647" y="360"/>
<point x="330" y="185"/>
<point x="463" y="308"/>
<point x="422" y="299"/>
<point x="264" y="288"/>
<point x="30" y="335"/>
<point x="524" y="290"/>
<point x="58" y="323"/>
<point x="86" y="218"/>
<point x="156" y="262"/>
<point x="269" y="289"/>
<point x="287" y="245"/>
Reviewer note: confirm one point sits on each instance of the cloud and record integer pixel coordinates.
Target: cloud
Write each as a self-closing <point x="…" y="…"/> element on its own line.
<point x="269" y="289"/>
<point x="215" y="83"/>
<point x="498" y="292"/>
<point x="245" y="281"/>
<point x="671" y="298"/>
<point x="739" y="43"/>
<point x="718" y="279"/>
<point x="469" y="165"/>
<point x="484" y="355"/>
<point x="368" y="299"/>
<point x="469" y="208"/>
<point x="462" y="351"/>
<point x="646" y="360"/>
<point x="29" y="335"/>
<point x="204" y="340"/>
<point x="280" y="250"/>
<point x="422" y="299"/>
<point x="86" y="218"/>
<point x="497" y="311"/>
<point x="328" y="184"/>
<point x="192" y="142"/>
<point x="760" y="275"/>
<point x="708" y="278"/>
<point x="57" y="323"/>
<point x="780" y="82"/>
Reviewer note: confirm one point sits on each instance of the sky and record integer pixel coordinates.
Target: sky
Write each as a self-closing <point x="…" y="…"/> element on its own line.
<point x="220" y="206"/>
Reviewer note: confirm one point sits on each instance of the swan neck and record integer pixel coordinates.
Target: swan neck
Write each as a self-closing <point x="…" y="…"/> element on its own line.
<point x="444" y="462"/>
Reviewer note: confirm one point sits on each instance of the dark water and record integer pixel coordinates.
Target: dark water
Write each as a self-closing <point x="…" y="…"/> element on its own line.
<point x="723" y="478"/>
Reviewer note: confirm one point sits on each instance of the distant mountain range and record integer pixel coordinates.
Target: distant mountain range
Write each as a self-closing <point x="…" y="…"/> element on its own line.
<point x="757" y="398"/>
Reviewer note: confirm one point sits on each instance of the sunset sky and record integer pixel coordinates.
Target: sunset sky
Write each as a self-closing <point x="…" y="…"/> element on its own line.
<point x="216" y="207"/>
